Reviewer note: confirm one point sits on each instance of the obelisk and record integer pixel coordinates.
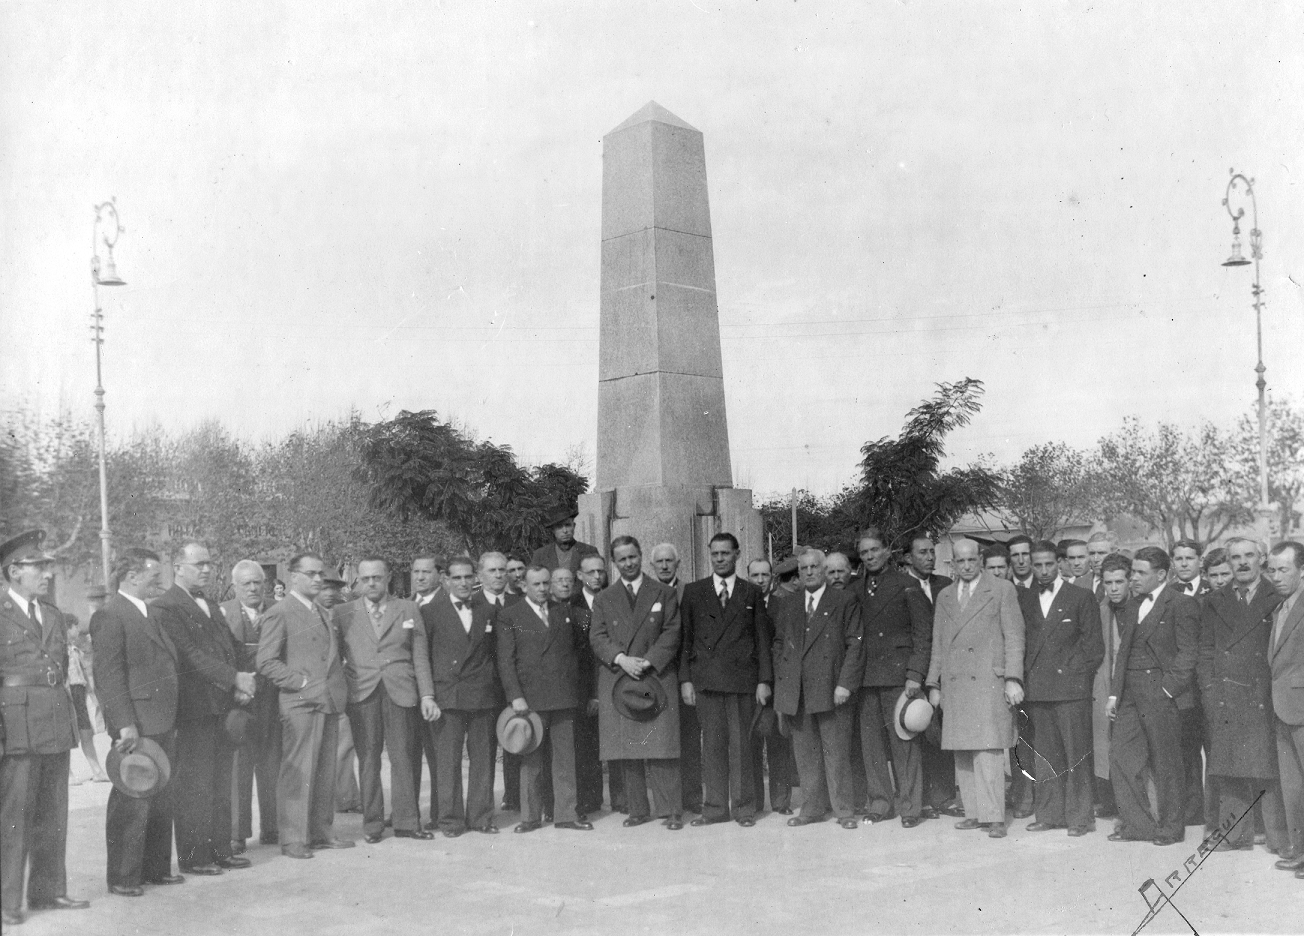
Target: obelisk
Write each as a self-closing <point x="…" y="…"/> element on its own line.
<point x="663" y="467"/>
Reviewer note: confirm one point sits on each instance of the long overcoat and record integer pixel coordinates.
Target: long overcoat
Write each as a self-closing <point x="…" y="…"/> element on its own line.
<point x="975" y="650"/>
<point x="649" y="630"/>
<point x="1236" y="682"/>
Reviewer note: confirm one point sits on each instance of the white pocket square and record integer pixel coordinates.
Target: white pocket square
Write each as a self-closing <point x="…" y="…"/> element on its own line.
<point x="409" y="624"/>
<point x="656" y="607"/>
<point x="488" y="628"/>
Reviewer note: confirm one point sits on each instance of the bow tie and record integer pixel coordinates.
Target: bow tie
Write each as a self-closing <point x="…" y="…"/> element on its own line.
<point x="1044" y="587"/>
<point x="459" y="605"/>
<point x="1188" y="588"/>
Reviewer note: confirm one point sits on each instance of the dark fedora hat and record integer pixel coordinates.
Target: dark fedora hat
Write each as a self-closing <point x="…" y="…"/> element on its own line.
<point x="519" y="732"/>
<point x="236" y="724"/>
<point x="559" y="515"/>
<point x="638" y="699"/>
<point x="143" y="772"/>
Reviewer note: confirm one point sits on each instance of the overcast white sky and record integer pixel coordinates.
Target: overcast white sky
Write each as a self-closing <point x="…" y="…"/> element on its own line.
<point x="390" y="206"/>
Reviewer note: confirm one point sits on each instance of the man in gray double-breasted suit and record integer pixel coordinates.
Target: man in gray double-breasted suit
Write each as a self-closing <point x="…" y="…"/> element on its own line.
<point x="387" y="664"/>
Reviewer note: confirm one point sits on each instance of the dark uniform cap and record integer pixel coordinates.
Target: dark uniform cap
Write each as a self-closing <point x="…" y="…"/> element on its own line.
<point x="26" y="547"/>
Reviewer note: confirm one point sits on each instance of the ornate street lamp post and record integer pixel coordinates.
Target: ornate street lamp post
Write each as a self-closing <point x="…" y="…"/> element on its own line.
<point x="104" y="231"/>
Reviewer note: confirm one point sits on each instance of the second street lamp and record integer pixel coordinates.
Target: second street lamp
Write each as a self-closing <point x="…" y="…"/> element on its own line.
<point x="105" y="230"/>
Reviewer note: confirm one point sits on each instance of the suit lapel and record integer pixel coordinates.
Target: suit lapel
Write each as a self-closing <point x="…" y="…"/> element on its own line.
<point x="981" y="596"/>
<point x="643" y="602"/>
<point x="1292" y="622"/>
<point x="818" y="621"/>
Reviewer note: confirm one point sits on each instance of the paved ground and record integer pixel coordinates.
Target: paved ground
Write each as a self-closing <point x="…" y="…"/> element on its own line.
<point x="717" y="880"/>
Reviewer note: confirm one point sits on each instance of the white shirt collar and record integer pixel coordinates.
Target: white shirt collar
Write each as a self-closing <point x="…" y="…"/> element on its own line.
<point x="538" y="609"/>
<point x="307" y="602"/>
<point x="1151" y="596"/>
<point x="635" y="585"/>
<point x="817" y="594"/>
<point x="140" y="605"/>
<point x="731" y="581"/>
<point x="21" y="601"/>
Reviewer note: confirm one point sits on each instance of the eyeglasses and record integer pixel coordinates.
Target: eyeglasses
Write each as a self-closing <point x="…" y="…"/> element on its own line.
<point x="314" y="574"/>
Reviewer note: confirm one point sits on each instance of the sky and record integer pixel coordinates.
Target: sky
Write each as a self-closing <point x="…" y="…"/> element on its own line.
<point x="387" y="206"/>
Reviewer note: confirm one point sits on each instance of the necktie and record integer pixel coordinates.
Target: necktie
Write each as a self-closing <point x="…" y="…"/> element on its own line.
<point x="964" y="593"/>
<point x="1241" y="592"/>
<point x="810" y="607"/>
<point x="543" y="615"/>
<point x="32" y="612"/>
<point x="724" y="595"/>
<point x="629" y="593"/>
<point x="376" y="612"/>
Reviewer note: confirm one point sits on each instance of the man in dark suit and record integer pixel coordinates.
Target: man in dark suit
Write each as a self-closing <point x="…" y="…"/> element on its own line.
<point x="1154" y="668"/>
<point x="136" y="674"/>
<point x="260" y="756"/>
<point x="1201" y="805"/>
<point x="37" y="730"/>
<point x="592" y="578"/>
<point x="299" y="651"/>
<point x="1062" y="651"/>
<point x="1098" y="547"/>
<point x="665" y="566"/>
<point x="387" y="665"/>
<point x="898" y="638"/>
<point x="1115" y="571"/>
<point x="466" y="699"/>
<point x="540" y="648"/>
<point x="938" y="764"/>
<point x="565" y="551"/>
<point x="1077" y="558"/>
<point x="1236" y="688"/>
<point x="1020" y="794"/>
<point x="725" y="671"/>
<point x="773" y="750"/>
<point x="495" y="595"/>
<point x="588" y="765"/>
<point x="818" y="667"/>
<point x="211" y="682"/>
<point x="427" y="576"/>
<point x="1286" y="660"/>
<point x="635" y="633"/>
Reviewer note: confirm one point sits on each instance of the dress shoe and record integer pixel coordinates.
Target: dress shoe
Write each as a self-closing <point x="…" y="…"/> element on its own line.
<point x="389" y="822"/>
<point x="1166" y="840"/>
<point x="333" y="843"/>
<point x="952" y="809"/>
<point x="784" y="811"/>
<point x="528" y="827"/>
<point x="996" y="830"/>
<point x="1077" y="830"/>
<point x="487" y="829"/>
<point x="1123" y="837"/>
<point x="1042" y="826"/>
<point x="1300" y="874"/>
<point x="636" y="821"/>
<point x="880" y="817"/>
<point x="1023" y="812"/>
<point x="15" y="917"/>
<point x="233" y="862"/>
<point x="373" y="838"/>
<point x="272" y="839"/>
<point x="413" y="834"/>
<point x="453" y="833"/>
<point x="1294" y="863"/>
<point x="238" y="846"/>
<point x="702" y="820"/>
<point x="547" y="818"/>
<point x="674" y="823"/>
<point x="909" y="822"/>
<point x="167" y="879"/>
<point x="1227" y="845"/>
<point x="122" y="890"/>
<point x="59" y="903"/>
<point x="510" y="807"/>
<point x="927" y="812"/>
<point x="581" y="825"/>
<point x="747" y="821"/>
<point x="1103" y="813"/>
<point x="964" y="825"/>
<point x="350" y="809"/>
<point x="804" y="820"/>
<point x="203" y="870"/>
<point x="851" y="822"/>
<point x="296" y="851"/>
<point x="432" y="826"/>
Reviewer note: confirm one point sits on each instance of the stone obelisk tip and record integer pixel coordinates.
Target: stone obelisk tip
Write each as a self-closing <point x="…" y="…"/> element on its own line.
<point x="654" y="111"/>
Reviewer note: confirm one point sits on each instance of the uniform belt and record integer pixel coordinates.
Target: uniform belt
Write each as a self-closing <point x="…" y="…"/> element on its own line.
<point x="48" y="678"/>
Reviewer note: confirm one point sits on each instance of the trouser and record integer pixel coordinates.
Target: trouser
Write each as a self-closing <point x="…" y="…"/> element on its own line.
<point x="690" y="756"/>
<point x="378" y="724"/>
<point x="305" y="794"/>
<point x="1290" y="762"/>
<point x="202" y="794"/>
<point x="1147" y="734"/>
<point x="880" y="743"/>
<point x="556" y="759"/>
<point x="1105" y="797"/>
<point x="821" y="742"/>
<point x="938" y="766"/>
<point x="616" y="783"/>
<point x="777" y="750"/>
<point x="138" y="831"/>
<point x="1063" y="795"/>
<point x="511" y="778"/>
<point x="1194" y="748"/>
<point x="667" y="787"/>
<point x="726" y="720"/>
<point x="588" y="765"/>
<point x="33" y="827"/>
<point x="981" y="778"/>
<point x="258" y="758"/>
<point x="422" y="742"/>
<point x="474" y="730"/>
<point x="348" y="795"/>
<point x="1236" y="801"/>
<point x="856" y="753"/>
<point x="1023" y="762"/>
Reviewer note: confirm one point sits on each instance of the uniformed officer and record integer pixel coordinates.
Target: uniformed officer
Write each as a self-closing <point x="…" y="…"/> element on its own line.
<point x="37" y="730"/>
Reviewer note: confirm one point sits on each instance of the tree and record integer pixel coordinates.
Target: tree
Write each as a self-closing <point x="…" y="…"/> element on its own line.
<point x="903" y="490"/>
<point x="1184" y="487"/>
<point x="1050" y="487"/>
<point x="1285" y="458"/>
<point x="418" y="466"/>
<point x="822" y="522"/>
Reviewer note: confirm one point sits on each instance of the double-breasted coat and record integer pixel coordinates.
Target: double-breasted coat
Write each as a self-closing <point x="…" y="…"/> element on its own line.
<point x="397" y="656"/>
<point x="1286" y="658"/>
<point x="208" y="655"/>
<point x="650" y="629"/>
<point x="975" y="650"/>
<point x="1063" y="648"/>
<point x="813" y="657"/>
<point x="1236" y="682"/>
<point x="299" y="651"/>
<point x="725" y="649"/>
<point x="898" y="628"/>
<point x="463" y="667"/>
<point x="549" y="667"/>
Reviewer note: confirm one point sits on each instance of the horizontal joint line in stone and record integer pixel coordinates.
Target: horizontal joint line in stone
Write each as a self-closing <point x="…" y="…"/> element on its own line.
<point x="653" y="227"/>
<point x="656" y="283"/>
<point x="651" y="372"/>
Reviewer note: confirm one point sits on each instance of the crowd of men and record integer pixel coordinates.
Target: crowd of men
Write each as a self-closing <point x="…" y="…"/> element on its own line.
<point x="1061" y="682"/>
